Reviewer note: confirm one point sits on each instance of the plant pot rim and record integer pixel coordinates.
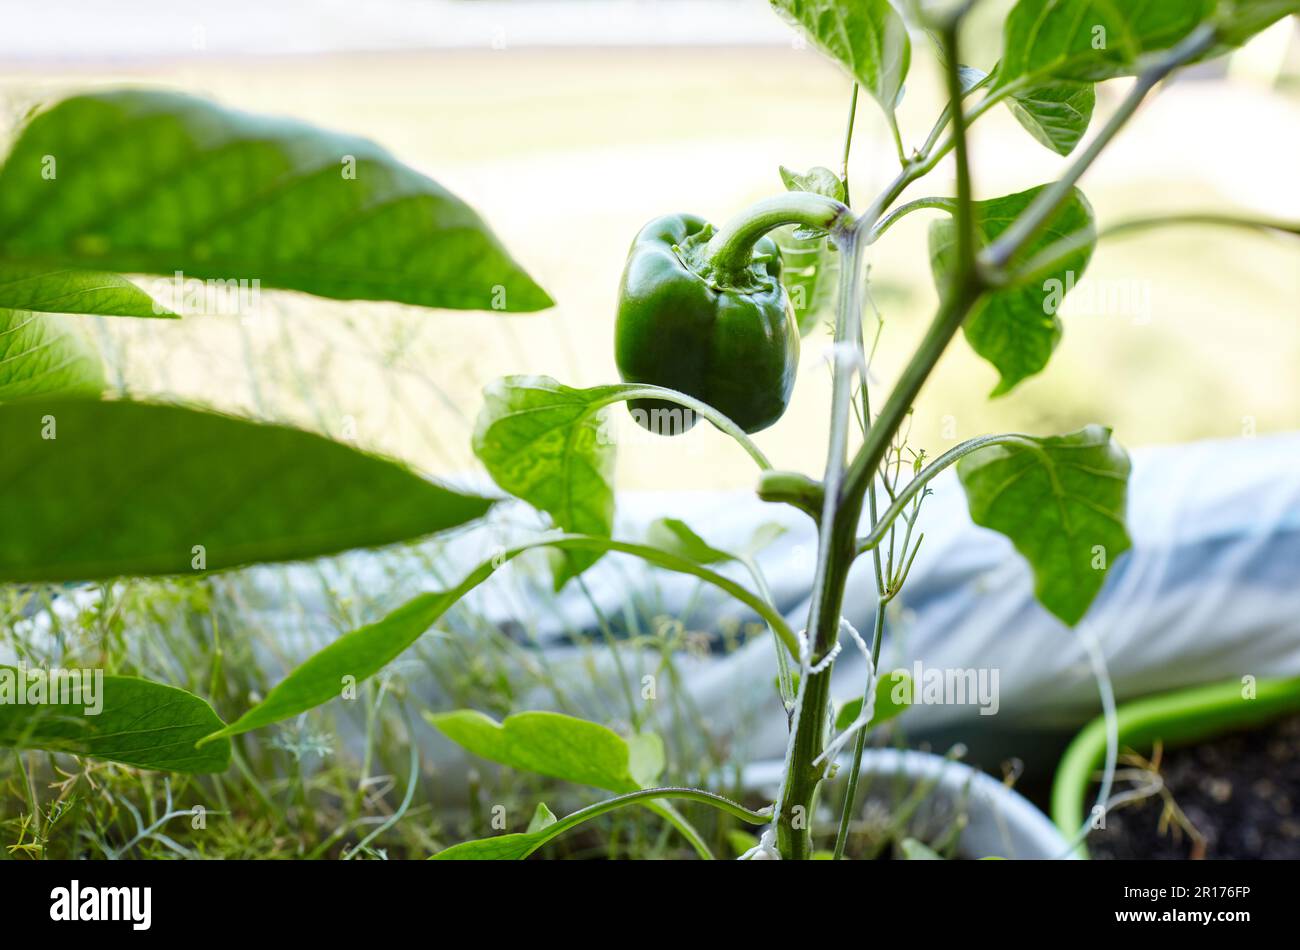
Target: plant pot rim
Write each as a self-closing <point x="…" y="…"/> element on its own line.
<point x="1002" y="822"/>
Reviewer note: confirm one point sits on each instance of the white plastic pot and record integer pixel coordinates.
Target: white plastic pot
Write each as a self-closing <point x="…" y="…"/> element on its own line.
<point x="1001" y="821"/>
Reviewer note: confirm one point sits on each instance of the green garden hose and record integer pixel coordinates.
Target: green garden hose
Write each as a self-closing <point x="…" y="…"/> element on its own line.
<point x="1173" y="718"/>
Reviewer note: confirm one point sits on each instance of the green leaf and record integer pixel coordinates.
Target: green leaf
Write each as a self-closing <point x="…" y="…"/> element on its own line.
<point x="1017" y="328"/>
<point x="25" y="287"/>
<point x="573" y="750"/>
<point x="676" y="537"/>
<point x="118" y="718"/>
<point x="363" y="652"/>
<point x="137" y="181"/>
<point x="547" y="444"/>
<point x="1061" y="501"/>
<point x="893" y="696"/>
<point x="645" y="758"/>
<point x="547" y="743"/>
<point x="43" y="353"/>
<point x="810" y="272"/>
<point x="1239" y="20"/>
<point x="542" y="818"/>
<point x="563" y="747"/>
<point x="817" y="180"/>
<point x="764" y="535"/>
<point x="1056" y="114"/>
<point x="352" y="658"/>
<point x="914" y="850"/>
<point x="866" y="37"/>
<point x="1091" y="39"/>
<point x="809" y="262"/>
<point x="512" y="847"/>
<point x="544" y="826"/>
<point x="970" y="78"/>
<point x="102" y="489"/>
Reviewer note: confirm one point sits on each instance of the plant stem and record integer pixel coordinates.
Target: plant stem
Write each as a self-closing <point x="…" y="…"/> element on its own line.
<point x="1221" y="219"/>
<point x="944" y="204"/>
<point x="844" y="492"/>
<point x="834" y="558"/>
<point x="968" y="284"/>
<point x="629" y="391"/>
<point x="860" y="740"/>
<point x="729" y="250"/>
<point x="848" y="142"/>
<point x="929" y="156"/>
<point x="734" y="809"/>
<point x="872" y="540"/>
<point x="877" y="636"/>
<point x="793" y="488"/>
<point x="396" y="816"/>
<point x="652" y="555"/>
<point x="1041" y="210"/>
<point x="688" y="831"/>
<point x="1050" y="258"/>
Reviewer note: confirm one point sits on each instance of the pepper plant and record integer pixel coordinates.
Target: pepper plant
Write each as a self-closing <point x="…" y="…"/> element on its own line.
<point x="708" y="326"/>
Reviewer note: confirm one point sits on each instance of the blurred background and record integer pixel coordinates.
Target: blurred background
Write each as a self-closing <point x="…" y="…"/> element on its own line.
<point x="569" y="123"/>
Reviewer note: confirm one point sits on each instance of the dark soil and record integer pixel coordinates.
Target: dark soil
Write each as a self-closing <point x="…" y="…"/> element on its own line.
<point x="1241" y="792"/>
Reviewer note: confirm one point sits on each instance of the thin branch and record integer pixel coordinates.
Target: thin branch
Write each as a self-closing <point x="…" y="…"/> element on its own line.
<point x="1050" y="200"/>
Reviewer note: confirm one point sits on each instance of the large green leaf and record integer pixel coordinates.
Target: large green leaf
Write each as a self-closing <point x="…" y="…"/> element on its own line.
<point x="1061" y="501"/>
<point x="1091" y="39"/>
<point x="1056" y="114"/>
<point x="552" y="744"/>
<point x="119" y="718"/>
<point x="137" y="181"/>
<point x="352" y="658"/>
<point x="548" y="444"/>
<point x="866" y="37"/>
<point x="363" y="652"/>
<point x="26" y="287"/>
<point x="99" y="489"/>
<point x="43" y="353"/>
<point x="1017" y="328"/>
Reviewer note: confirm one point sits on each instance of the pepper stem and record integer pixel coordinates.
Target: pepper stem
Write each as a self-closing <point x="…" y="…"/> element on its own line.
<point x="729" y="250"/>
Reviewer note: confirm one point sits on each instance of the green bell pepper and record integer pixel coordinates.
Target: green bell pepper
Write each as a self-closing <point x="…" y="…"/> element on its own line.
<point x="728" y="338"/>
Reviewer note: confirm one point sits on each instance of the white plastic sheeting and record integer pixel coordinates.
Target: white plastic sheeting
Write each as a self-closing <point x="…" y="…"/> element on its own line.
<point x="1210" y="591"/>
